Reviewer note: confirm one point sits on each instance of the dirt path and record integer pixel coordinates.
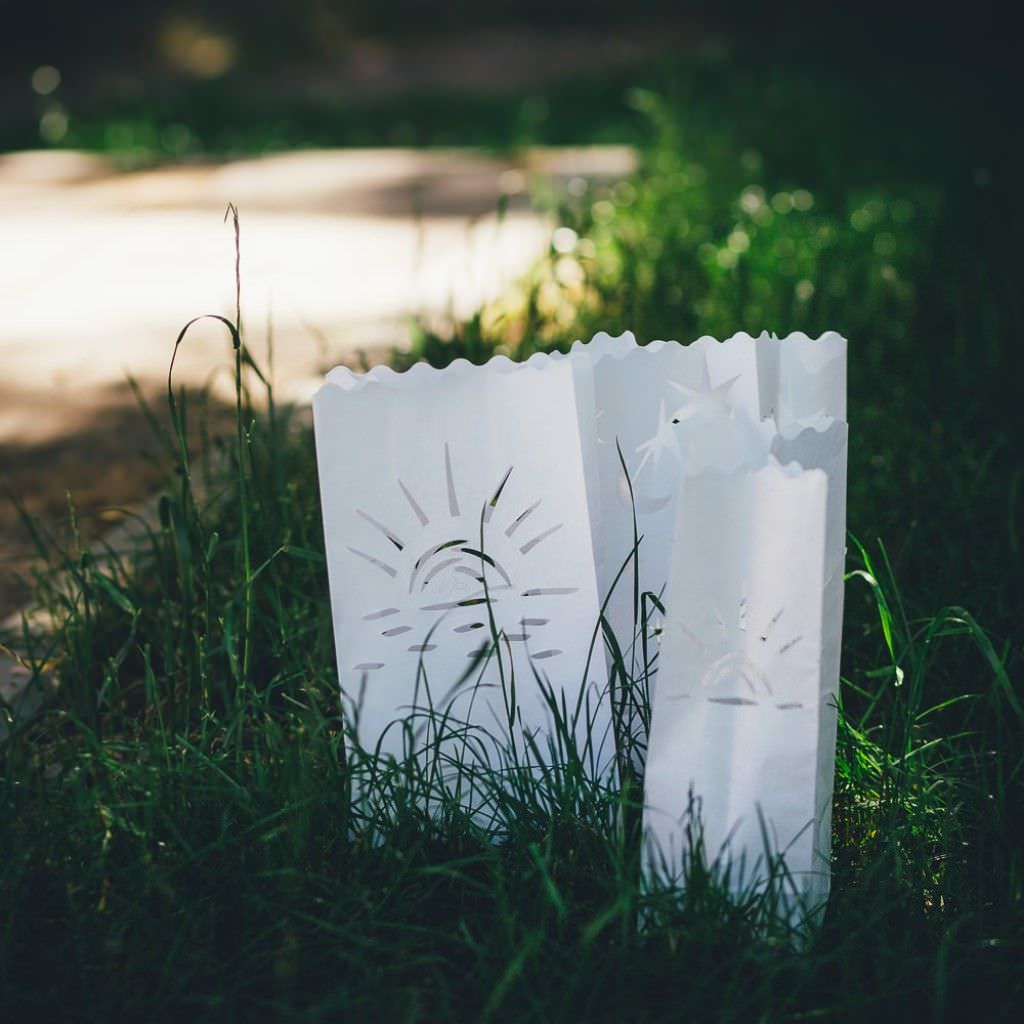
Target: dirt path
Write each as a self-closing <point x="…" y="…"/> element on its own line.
<point x="99" y="270"/>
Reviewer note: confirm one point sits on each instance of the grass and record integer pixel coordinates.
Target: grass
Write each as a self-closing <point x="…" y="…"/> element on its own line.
<point x="178" y="833"/>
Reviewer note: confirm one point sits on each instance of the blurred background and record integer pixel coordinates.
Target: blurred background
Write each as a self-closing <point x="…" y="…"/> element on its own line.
<point x="473" y="177"/>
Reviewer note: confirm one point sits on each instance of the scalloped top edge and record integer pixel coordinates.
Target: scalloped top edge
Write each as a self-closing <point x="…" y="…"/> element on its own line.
<point x="815" y="353"/>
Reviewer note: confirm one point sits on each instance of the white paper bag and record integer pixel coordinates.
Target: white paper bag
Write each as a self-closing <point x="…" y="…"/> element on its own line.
<point x="742" y="739"/>
<point x="735" y="719"/>
<point x="455" y="509"/>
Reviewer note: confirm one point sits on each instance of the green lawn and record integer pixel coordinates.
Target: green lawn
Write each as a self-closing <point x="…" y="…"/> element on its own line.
<point x="177" y="838"/>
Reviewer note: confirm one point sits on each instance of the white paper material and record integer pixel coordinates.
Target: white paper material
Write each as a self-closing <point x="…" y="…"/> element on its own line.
<point x="673" y="411"/>
<point x="420" y="473"/>
<point x="729" y="458"/>
<point x="825" y="448"/>
<point x="735" y="721"/>
<point x="744" y="712"/>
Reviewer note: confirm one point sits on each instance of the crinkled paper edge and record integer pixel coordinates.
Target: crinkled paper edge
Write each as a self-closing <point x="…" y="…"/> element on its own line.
<point x="815" y="353"/>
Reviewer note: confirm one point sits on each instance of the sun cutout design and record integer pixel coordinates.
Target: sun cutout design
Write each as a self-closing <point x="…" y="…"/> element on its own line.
<point x="739" y="663"/>
<point x="703" y="425"/>
<point x="444" y="581"/>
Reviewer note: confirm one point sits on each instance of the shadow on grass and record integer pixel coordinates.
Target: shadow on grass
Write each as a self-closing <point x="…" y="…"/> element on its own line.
<point x="100" y="455"/>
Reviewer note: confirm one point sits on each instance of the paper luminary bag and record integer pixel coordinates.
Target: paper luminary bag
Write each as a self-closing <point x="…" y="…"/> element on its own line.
<point x="744" y="712"/>
<point x="455" y="511"/>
